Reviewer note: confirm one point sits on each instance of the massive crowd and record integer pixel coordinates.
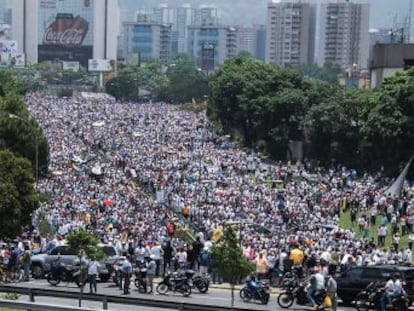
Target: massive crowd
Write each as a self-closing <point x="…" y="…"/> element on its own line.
<point x="127" y="171"/>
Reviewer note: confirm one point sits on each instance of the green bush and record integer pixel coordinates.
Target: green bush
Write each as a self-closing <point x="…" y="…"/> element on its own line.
<point x="10" y="296"/>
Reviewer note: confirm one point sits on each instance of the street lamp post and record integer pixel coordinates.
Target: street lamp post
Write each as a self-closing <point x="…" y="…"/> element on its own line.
<point x="13" y="116"/>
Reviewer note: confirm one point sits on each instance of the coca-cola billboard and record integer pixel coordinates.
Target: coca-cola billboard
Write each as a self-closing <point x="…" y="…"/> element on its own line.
<point x="65" y="30"/>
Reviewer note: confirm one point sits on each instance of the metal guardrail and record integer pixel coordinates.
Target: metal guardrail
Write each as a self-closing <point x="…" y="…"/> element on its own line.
<point x="106" y="299"/>
<point x="33" y="306"/>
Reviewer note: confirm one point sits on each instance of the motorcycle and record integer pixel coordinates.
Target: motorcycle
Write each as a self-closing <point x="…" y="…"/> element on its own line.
<point x="297" y="291"/>
<point x="65" y="273"/>
<point x="199" y="282"/>
<point x="255" y="291"/>
<point x="176" y="283"/>
<point x="370" y="298"/>
<point x="141" y="279"/>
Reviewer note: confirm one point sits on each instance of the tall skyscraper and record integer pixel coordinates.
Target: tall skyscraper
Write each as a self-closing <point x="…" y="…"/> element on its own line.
<point x="151" y="40"/>
<point x="344" y="34"/>
<point x="290" y="38"/>
<point x="252" y="39"/>
<point x="207" y="15"/>
<point x="185" y="17"/>
<point x="163" y="14"/>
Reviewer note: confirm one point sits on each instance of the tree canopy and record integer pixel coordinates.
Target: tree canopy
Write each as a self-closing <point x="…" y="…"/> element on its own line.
<point x="229" y="260"/>
<point x="259" y="103"/>
<point x="20" y="135"/>
<point x="178" y="82"/>
<point x="18" y="196"/>
<point x="82" y="241"/>
<point x="265" y="108"/>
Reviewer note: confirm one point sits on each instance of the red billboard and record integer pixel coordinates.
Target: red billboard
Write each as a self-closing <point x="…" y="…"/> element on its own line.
<point x="65" y="30"/>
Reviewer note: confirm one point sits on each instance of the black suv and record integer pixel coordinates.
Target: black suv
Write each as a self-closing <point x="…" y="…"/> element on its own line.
<point x="355" y="279"/>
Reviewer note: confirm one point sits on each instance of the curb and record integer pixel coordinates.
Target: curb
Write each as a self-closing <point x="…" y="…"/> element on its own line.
<point x="226" y="286"/>
<point x="274" y="291"/>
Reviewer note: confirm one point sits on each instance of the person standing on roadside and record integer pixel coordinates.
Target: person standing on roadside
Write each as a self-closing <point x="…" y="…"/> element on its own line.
<point x="157" y="252"/>
<point x="151" y="271"/>
<point x="26" y="261"/>
<point x="168" y="255"/>
<point x="197" y="247"/>
<point x="127" y="271"/>
<point x="93" y="270"/>
<point x="331" y="288"/>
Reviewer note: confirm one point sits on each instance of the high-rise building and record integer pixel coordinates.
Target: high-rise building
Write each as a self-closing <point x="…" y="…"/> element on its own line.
<point x="261" y="42"/>
<point x="290" y="32"/>
<point x="252" y="39"/>
<point x="344" y="34"/>
<point x="70" y="30"/>
<point x="185" y="17"/>
<point x="211" y="45"/>
<point x="207" y="15"/>
<point x="163" y="14"/>
<point x="151" y="40"/>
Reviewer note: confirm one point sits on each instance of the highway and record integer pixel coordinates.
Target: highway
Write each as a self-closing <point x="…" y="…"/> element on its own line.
<point x="215" y="296"/>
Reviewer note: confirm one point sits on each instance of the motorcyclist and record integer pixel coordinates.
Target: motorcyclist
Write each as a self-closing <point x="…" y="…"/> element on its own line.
<point x="316" y="284"/>
<point x="56" y="264"/>
<point x="252" y="283"/>
<point x="393" y="288"/>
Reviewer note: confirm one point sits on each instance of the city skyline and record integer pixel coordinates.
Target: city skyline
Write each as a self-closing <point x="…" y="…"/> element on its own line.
<point x="384" y="13"/>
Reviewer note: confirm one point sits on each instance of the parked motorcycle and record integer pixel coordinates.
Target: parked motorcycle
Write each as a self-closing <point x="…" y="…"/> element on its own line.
<point x="258" y="291"/>
<point x="65" y="273"/>
<point x="141" y="279"/>
<point x="199" y="282"/>
<point x="370" y="298"/>
<point x="176" y="283"/>
<point x="294" y="290"/>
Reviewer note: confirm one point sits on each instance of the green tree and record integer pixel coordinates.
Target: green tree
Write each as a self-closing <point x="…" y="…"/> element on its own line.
<point x="22" y="134"/>
<point x="186" y="81"/>
<point x="328" y="73"/>
<point x="132" y="81"/>
<point x="10" y="82"/>
<point x="389" y="121"/>
<point x="84" y="244"/>
<point x="229" y="260"/>
<point x="18" y="197"/>
<point x="334" y="126"/>
<point x="260" y="103"/>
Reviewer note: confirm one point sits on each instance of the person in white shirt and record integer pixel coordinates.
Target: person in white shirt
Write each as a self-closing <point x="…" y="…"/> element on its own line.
<point x="182" y="258"/>
<point x="316" y="283"/>
<point x="93" y="270"/>
<point x="157" y="252"/>
<point x="408" y="256"/>
<point x="393" y="288"/>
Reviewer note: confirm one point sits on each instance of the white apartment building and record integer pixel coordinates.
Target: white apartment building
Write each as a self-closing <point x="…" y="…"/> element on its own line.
<point x="207" y="15"/>
<point x="185" y="18"/>
<point x="70" y="30"/>
<point x="290" y="38"/>
<point x="344" y="34"/>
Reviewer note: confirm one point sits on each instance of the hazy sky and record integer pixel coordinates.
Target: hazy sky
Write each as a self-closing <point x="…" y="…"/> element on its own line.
<point x="383" y="12"/>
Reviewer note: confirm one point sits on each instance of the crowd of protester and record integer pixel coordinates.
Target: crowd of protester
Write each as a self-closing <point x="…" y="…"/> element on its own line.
<point x="134" y="173"/>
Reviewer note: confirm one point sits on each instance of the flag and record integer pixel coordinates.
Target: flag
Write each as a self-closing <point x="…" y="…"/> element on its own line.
<point x="395" y="189"/>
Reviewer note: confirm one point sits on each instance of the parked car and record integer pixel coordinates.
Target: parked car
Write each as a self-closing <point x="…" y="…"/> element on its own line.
<point x="356" y="279"/>
<point x="41" y="263"/>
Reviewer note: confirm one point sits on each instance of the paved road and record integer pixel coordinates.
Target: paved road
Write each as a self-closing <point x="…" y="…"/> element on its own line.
<point x="217" y="297"/>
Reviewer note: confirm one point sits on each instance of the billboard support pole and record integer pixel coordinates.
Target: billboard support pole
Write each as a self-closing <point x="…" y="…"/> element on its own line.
<point x="101" y="79"/>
